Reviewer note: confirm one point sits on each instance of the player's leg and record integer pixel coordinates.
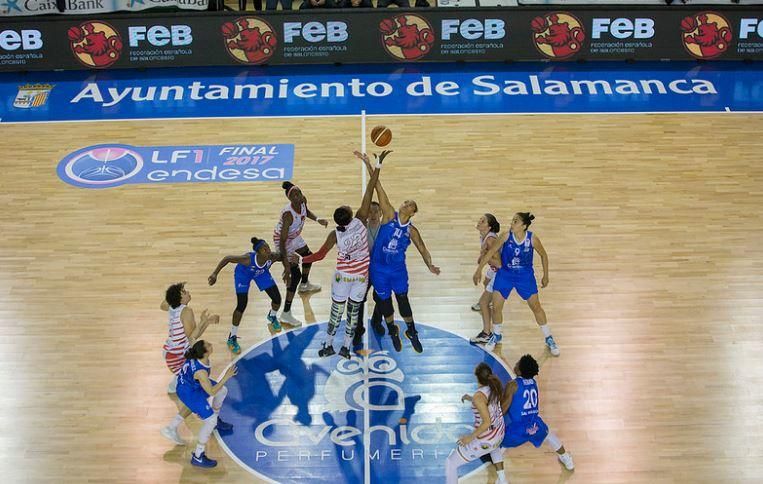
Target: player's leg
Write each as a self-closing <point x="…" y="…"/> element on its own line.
<point x="360" y="329"/>
<point x="357" y="291"/>
<point x="242" y="300"/>
<point x="497" y="457"/>
<point x="171" y="430"/>
<point x="555" y="444"/>
<point x="533" y="301"/>
<point x="304" y="284"/>
<point x="286" y="316"/>
<point x="339" y="291"/>
<point x="275" y="302"/>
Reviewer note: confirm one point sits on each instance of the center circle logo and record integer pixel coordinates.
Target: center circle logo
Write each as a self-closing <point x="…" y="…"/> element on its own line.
<point x="249" y="40"/>
<point x="558" y="35"/>
<point x="95" y="44"/>
<point x="407" y="37"/>
<point x="100" y="166"/>
<point x="296" y="416"/>
<point x="706" y="35"/>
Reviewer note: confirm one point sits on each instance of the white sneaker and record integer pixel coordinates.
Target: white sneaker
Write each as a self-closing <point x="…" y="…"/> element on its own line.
<point x="552" y="346"/>
<point x="287" y="318"/>
<point x="172" y="435"/>
<point x="476" y="307"/>
<point x="308" y="287"/>
<point x="491" y="342"/>
<point x="172" y="387"/>
<point x="566" y="459"/>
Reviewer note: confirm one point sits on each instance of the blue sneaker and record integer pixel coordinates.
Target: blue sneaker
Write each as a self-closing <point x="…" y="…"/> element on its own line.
<point x="498" y="338"/>
<point x="233" y="345"/>
<point x="552" y="346"/>
<point x="202" y="460"/>
<point x="275" y="325"/>
<point x="223" y="426"/>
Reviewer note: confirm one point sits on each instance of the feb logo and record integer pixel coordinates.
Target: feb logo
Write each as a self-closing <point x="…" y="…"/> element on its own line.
<point x="386" y="417"/>
<point x="706" y="35"/>
<point x="407" y="37"/>
<point x="558" y="35"/>
<point x="100" y="166"/>
<point x="249" y="40"/>
<point x="95" y="44"/>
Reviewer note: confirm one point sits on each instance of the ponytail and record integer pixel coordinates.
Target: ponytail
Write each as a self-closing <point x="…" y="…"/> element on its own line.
<point x="486" y="377"/>
<point x="492" y="222"/>
<point x="527" y="218"/>
<point x="196" y="352"/>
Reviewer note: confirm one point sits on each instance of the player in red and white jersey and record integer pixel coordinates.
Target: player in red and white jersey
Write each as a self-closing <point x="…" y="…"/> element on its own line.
<point x="488" y="228"/>
<point x="352" y="261"/>
<point x="182" y="328"/>
<point x="489" y="428"/>
<point x="287" y="238"/>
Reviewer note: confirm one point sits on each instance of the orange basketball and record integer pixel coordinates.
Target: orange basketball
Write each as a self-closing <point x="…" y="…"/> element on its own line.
<point x="381" y="136"/>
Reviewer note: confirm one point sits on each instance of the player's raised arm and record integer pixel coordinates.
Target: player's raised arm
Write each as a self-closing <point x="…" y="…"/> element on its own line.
<point x="362" y="212"/>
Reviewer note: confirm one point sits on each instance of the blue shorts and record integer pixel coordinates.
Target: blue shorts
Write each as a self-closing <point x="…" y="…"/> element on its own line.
<point x="387" y="280"/>
<point x="517" y="433"/>
<point x="523" y="281"/>
<point x="242" y="280"/>
<point x="197" y="400"/>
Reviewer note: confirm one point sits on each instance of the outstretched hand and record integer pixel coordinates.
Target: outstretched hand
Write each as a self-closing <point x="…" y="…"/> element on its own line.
<point x="380" y="158"/>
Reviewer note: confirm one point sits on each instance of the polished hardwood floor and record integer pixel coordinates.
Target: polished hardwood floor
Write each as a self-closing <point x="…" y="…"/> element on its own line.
<point x="653" y="225"/>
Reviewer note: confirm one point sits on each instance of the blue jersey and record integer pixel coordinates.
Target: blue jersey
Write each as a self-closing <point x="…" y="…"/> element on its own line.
<point x="517" y="256"/>
<point x="391" y="243"/>
<point x="254" y="270"/>
<point x="186" y="379"/>
<point x="524" y="404"/>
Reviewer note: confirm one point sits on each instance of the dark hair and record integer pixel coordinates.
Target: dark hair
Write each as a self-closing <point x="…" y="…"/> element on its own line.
<point x="197" y="351"/>
<point x="527" y="217"/>
<point x="374" y="203"/>
<point x="527" y="366"/>
<point x="342" y="217"/>
<point x="492" y="222"/>
<point x="255" y="241"/>
<point x="286" y="187"/>
<point x="174" y="294"/>
<point x="485" y="376"/>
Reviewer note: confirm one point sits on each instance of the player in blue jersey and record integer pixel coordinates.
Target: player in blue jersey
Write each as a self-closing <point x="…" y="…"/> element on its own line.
<point x="516" y="247"/>
<point x="252" y="266"/>
<point x="194" y="389"/>
<point x="521" y="407"/>
<point x="389" y="273"/>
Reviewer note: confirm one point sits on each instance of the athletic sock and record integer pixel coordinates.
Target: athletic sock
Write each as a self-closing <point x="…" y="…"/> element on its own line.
<point x="233" y="330"/>
<point x="546" y="330"/>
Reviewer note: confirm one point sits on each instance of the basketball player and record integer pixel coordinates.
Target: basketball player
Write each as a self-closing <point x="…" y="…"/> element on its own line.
<point x="194" y="389"/>
<point x="488" y="228"/>
<point x="488" y="425"/>
<point x="374" y="223"/>
<point x="523" y="423"/>
<point x="389" y="273"/>
<point x="183" y="330"/>
<point x="516" y="272"/>
<point x="288" y="240"/>
<point x="352" y="260"/>
<point x="252" y="266"/>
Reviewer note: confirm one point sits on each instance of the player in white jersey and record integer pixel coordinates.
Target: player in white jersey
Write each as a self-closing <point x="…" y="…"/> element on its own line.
<point x="488" y="425"/>
<point x="352" y="261"/>
<point x="287" y="238"/>
<point x="488" y="228"/>
<point x="182" y="328"/>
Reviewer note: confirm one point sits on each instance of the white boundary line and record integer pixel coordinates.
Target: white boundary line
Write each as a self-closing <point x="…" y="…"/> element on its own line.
<point x="528" y="113"/>
<point x="366" y="386"/>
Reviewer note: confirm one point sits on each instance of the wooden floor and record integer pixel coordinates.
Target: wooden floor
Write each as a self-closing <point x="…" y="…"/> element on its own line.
<point x="653" y="225"/>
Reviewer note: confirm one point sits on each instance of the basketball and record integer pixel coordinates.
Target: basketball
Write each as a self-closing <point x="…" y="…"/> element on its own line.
<point x="381" y="136"/>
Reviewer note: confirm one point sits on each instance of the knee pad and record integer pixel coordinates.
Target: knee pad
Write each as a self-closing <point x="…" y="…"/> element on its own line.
<point x="296" y="275"/>
<point x="403" y="305"/>
<point x="242" y="300"/>
<point x="385" y="307"/>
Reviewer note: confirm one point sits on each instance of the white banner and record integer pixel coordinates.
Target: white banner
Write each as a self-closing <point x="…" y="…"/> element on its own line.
<point x="14" y="8"/>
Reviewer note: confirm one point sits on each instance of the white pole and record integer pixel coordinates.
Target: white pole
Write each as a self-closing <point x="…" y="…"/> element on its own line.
<point x="363" y="170"/>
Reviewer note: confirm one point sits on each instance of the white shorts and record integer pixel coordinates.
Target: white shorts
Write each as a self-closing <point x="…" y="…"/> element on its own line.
<point x="490" y="276"/>
<point x="346" y="285"/>
<point x="479" y="447"/>
<point x="292" y="245"/>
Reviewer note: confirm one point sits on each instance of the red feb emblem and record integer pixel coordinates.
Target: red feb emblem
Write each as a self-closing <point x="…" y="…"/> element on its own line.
<point x="406" y="37"/>
<point x="95" y="44"/>
<point x="249" y="40"/>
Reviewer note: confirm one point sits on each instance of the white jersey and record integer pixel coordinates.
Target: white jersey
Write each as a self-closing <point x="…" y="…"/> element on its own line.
<point x="297" y="222"/>
<point x="483" y="247"/>
<point x="496" y="416"/>
<point x="353" y="256"/>
<point x="177" y="341"/>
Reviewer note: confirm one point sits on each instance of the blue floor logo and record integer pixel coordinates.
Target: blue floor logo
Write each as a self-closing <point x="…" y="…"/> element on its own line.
<point x="105" y="166"/>
<point x="301" y="418"/>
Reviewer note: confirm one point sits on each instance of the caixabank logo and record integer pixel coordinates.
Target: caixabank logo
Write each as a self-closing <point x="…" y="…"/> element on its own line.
<point x="706" y="35"/>
<point x="249" y="40"/>
<point x="95" y="44"/>
<point x="407" y="37"/>
<point x="386" y="417"/>
<point x="558" y="35"/>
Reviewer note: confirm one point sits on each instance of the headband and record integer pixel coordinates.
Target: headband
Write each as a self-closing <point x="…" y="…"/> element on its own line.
<point x="258" y="245"/>
<point x="288" y="193"/>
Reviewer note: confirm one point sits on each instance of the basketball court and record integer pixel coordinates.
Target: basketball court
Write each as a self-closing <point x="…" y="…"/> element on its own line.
<point x="652" y="222"/>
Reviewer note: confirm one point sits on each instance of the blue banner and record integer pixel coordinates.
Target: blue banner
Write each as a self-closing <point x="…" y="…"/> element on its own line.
<point x="111" y="165"/>
<point x="382" y="90"/>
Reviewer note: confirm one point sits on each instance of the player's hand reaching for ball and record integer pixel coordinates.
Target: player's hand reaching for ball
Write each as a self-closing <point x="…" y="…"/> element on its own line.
<point x="380" y="158"/>
<point x="212" y="279"/>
